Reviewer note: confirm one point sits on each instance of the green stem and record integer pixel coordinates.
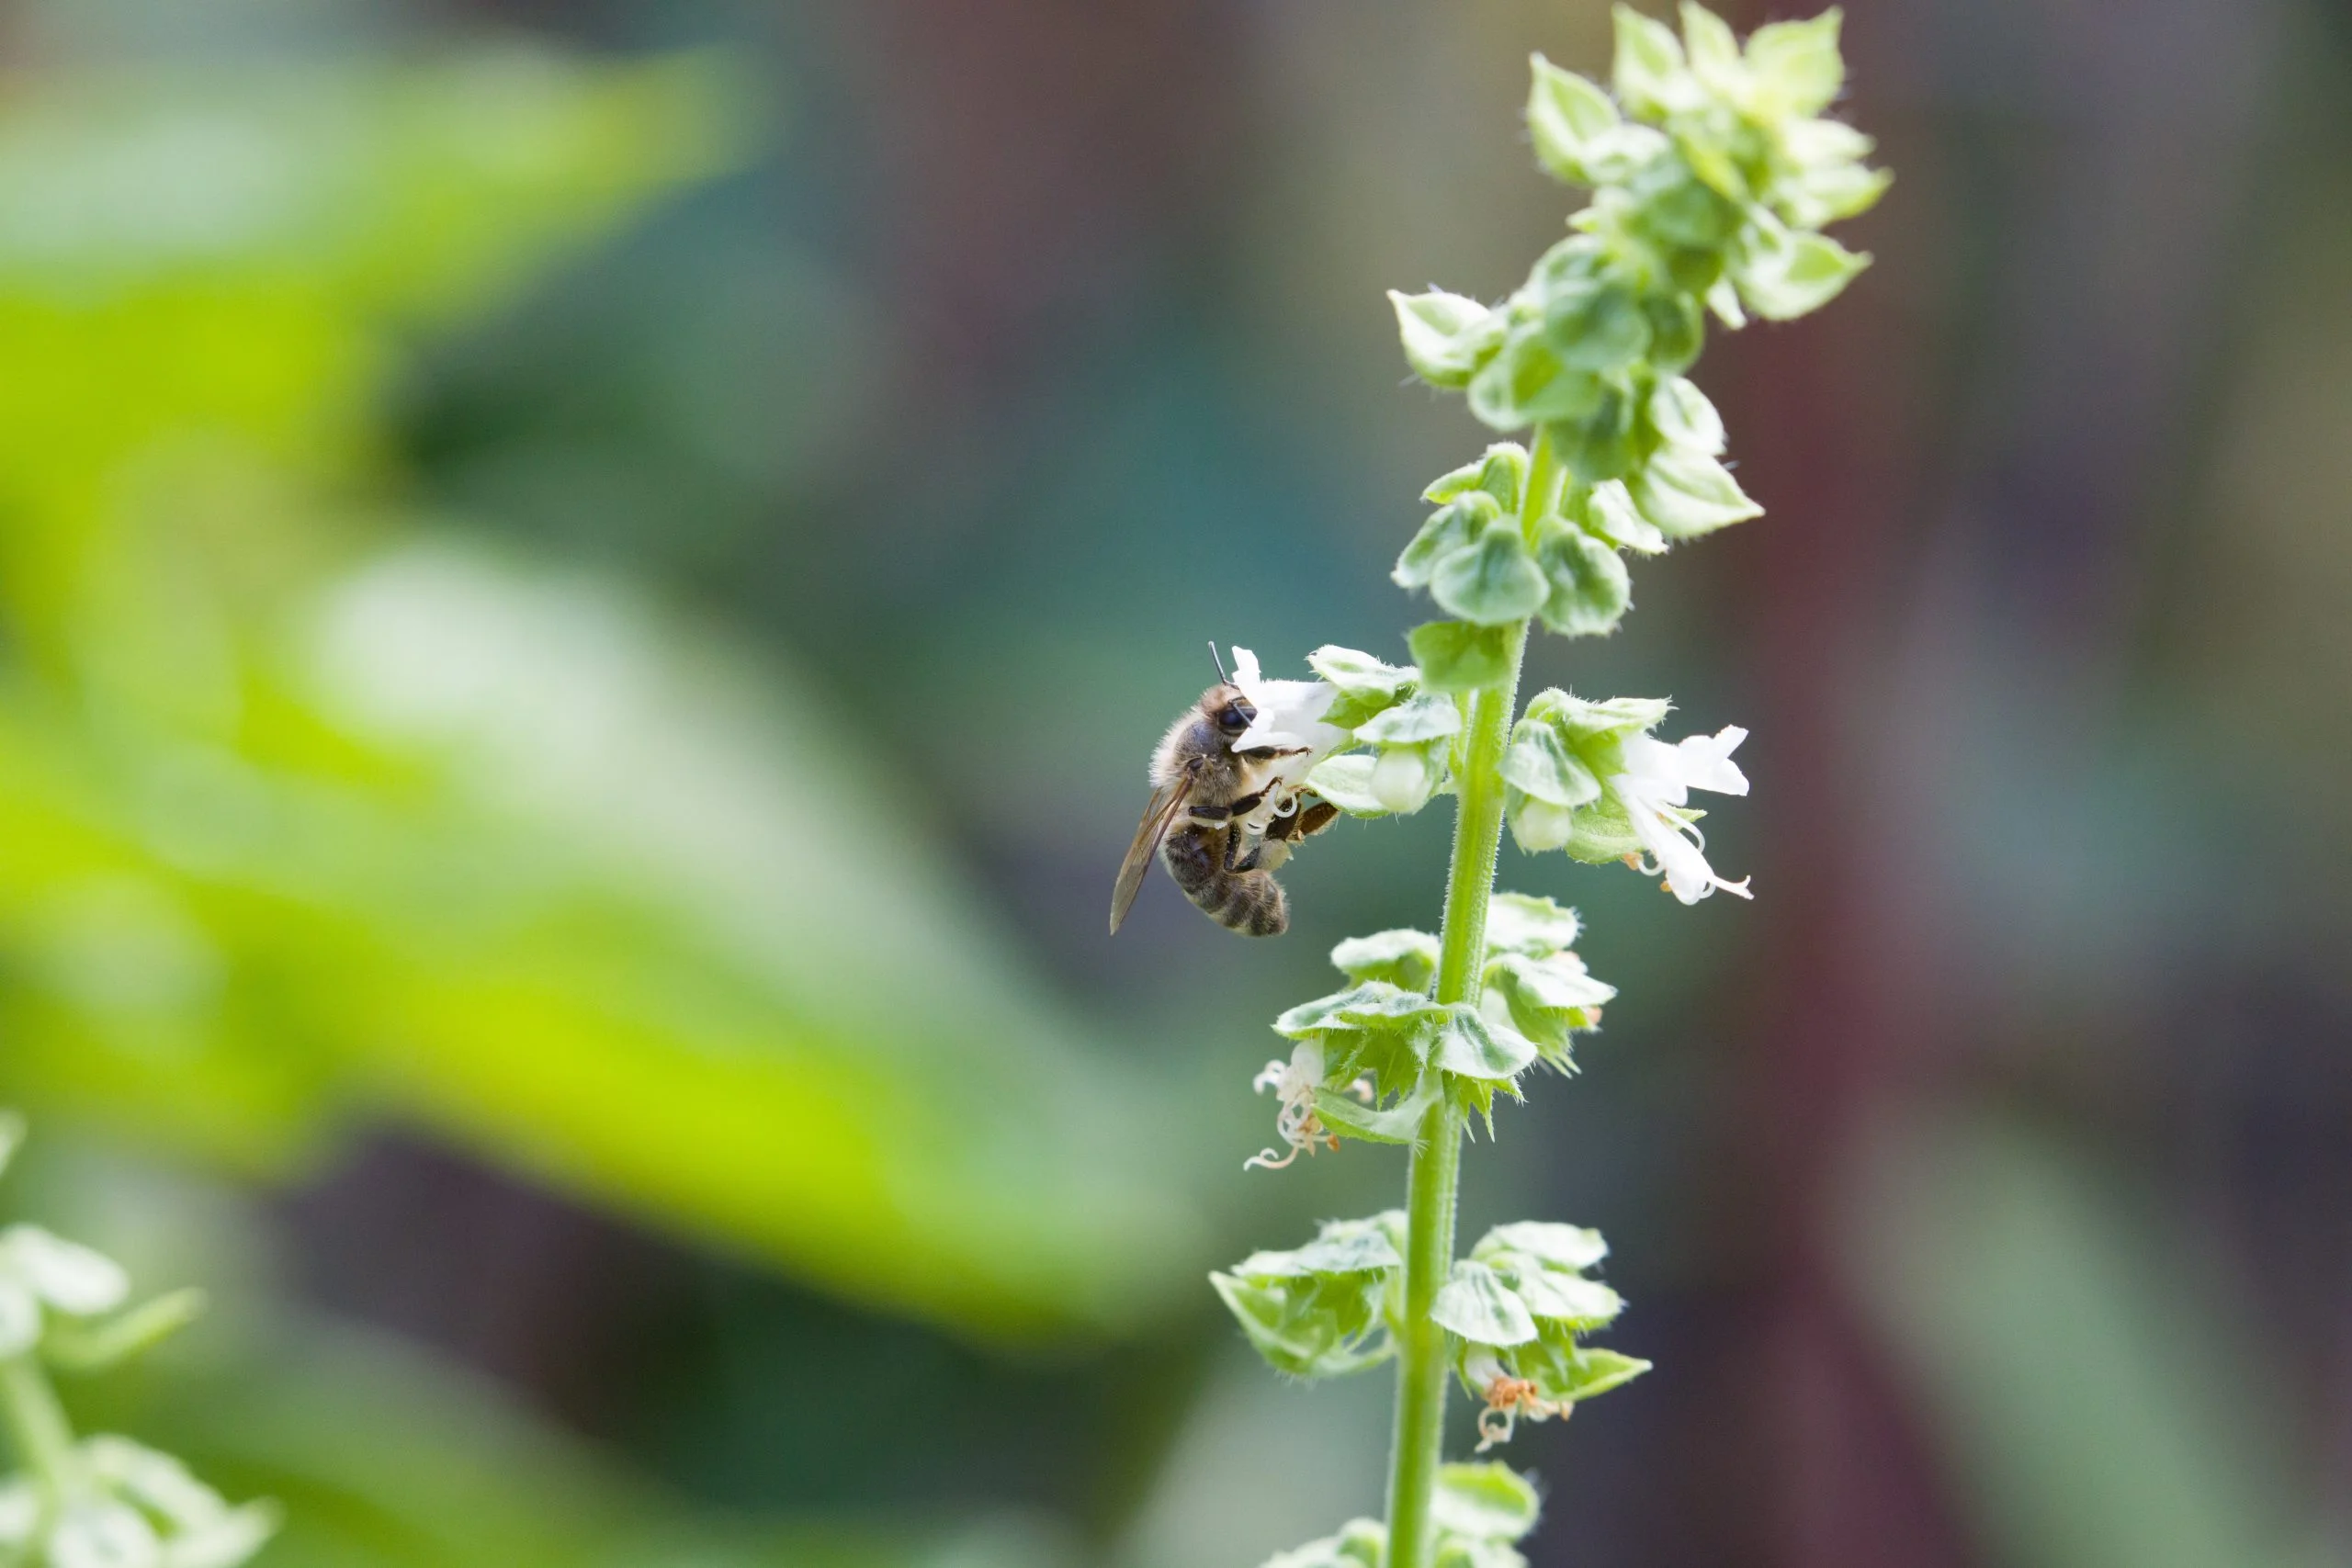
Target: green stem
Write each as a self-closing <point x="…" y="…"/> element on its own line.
<point x="1418" y="1447"/>
<point x="36" y="1425"/>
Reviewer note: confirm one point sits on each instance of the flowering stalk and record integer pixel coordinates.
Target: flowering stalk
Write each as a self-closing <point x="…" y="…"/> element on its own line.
<point x="1712" y="173"/>
<point x="1417" y="1445"/>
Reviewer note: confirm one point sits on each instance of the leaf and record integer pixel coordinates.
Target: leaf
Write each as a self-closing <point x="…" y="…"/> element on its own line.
<point x="1596" y="325"/>
<point x="1340" y="1246"/>
<point x="1824" y="194"/>
<point x="1584" y="721"/>
<point x="1519" y="923"/>
<point x="1796" y="65"/>
<point x="1346" y="783"/>
<point x="1562" y="1297"/>
<point x="1686" y="493"/>
<point x="1361" y="1543"/>
<point x="1570" y="1373"/>
<point x="1528" y="383"/>
<point x="1714" y="50"/>
<point x="1648" y="71"/>
<point x="1421" y="720"/>
<point x="1367" y="686"/>
<point x="1565" y="113"/>
<point x="1557" y="983"/>
<point x="1397" y="1123"/>
<point x="1495" y="581"/>
<point x="1468" y="1047"/>
<point x="1315" y="1329"/>
<point x="1445" y="336"/>
<point x="1610" y="512"/>
<point x="1561" y="1246"/>
<point x="1539" y="763"/>
<point x="1677" y="329"/>
<point x="1324" y="1013"/>
<point x="1455" y="656"/>
<point x="1588" y="588"/>
<point x="1316" y="1312"/>
<point x="1535" y="995"/>
<point x="1603" y="443"/>
<point x="70" y="1277"/>
<point x="1683" y="417"/>
<point x="1405" y="958"/>
<point x="93" y="1346"/>
<point x="1486" y="1502"/>
<point x="1783" y="275"/>
<point x="1360" y="674"/>
<point x="1474" y="1303"/>
<point x="1499" y="472"/>
<point x="1448" y="532"/>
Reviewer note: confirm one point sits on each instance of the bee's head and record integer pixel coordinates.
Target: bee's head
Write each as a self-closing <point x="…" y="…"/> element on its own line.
<point x="1227" y="709"/>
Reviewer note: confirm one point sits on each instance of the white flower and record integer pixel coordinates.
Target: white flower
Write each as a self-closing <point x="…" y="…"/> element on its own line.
<point x="1290" y="718"/>
<point x="1658" y="776"/>
<point x="1293" y="1083"/>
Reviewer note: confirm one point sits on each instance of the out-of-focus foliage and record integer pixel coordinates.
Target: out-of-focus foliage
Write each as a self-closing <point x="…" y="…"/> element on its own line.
<point x="301" y="815"/>
<point x="2083" y="1371"/>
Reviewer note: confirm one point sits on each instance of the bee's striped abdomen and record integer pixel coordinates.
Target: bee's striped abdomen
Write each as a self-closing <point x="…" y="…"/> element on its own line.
<point x="1251" y="902"/>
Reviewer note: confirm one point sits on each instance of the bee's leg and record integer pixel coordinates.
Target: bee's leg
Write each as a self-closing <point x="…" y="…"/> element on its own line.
<point x="1315" y="818"/>
<point x="1305" y="820"/>
<point x="1238" y="862"/>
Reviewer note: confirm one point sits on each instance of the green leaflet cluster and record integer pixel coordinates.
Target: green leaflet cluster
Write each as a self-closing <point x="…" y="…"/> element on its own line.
<point x="1482" y="1511"/>
<point x="100" y="1499"/>
<point x="1712" y="171"/>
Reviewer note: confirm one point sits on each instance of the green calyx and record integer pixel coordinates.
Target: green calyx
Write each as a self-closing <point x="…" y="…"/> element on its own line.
<point x="1482" y="1511"/>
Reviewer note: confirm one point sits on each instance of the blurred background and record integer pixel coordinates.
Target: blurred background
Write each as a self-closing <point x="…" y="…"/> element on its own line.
<point x="585" y="588"/>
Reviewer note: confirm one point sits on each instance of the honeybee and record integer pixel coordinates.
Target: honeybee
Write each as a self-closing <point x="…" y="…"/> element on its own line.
<point x="1206" y="819"/>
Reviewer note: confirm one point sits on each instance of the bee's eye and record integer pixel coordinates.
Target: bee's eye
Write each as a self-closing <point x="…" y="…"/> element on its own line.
<point x="1236" y="716"/>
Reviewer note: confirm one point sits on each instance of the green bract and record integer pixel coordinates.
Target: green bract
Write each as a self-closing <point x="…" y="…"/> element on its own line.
<point x="1320" y="1312"/>
<point x="1711" y="172"/>
<point x="1481" y="1511"/>
<point x="1561" y="754"/>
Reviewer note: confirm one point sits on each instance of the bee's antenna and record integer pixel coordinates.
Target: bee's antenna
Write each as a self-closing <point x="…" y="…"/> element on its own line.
<point x="1218" y="660"/>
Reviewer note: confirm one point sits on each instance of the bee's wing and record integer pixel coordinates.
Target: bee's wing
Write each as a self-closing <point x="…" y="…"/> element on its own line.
<point x="1166" y="803"/>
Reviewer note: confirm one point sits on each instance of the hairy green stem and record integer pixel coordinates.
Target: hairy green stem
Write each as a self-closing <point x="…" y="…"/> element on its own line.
<point x="36" y="1425"/>
<point x="1418" y="1446"/>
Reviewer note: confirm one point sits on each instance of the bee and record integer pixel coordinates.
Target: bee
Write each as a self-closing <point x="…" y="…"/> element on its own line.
<point x="1199" y="821"/>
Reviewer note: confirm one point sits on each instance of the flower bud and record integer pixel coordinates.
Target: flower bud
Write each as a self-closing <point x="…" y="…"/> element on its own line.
<point x="1404" y="778"/>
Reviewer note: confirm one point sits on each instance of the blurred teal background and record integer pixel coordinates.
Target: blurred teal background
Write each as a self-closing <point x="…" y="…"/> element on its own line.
<point x="585" y="590"/>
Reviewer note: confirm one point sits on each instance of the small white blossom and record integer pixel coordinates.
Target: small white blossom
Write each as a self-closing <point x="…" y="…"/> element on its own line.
<point x="1293" y="1083"/>
<point x="1658" y="777"/>
<point x="1290" y="718"/>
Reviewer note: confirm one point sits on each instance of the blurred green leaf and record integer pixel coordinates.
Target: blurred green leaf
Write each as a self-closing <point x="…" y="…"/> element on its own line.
<point x="300" y="823"/>
<point x="444" y="1472"/>
<point x="2098" y="1399"/>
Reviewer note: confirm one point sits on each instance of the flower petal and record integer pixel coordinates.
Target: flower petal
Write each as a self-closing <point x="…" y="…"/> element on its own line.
<point x="1688" y="875"/>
